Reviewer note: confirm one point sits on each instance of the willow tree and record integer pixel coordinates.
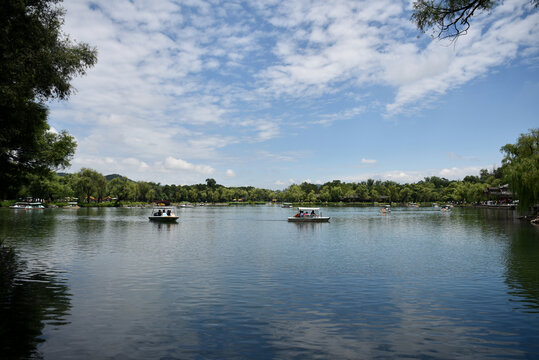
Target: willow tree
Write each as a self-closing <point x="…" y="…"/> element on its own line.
<point x="88" y="183"/>
<point x="521" y="168"/>
<point x="38" y="62"/>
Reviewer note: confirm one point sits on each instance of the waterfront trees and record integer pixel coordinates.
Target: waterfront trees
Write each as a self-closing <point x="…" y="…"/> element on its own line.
<point x="521" y="167"/>
<point x="88" y="183"/>
<point x="121" y="188"/>
<point x="38" y="63"/>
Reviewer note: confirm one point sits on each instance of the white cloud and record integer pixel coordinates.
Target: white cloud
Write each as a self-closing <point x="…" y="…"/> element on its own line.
<point x="325" y="45"/>
<point x="368" y="161"/>
<point x="53" y="130"/>
<point x="135" y="163"/>
<point x="454" y="156"/>
<point x="180" y="164"/>
<point x="197" y="79"/>
<point x="230" y="173"/>
<point x="409" y="176"/>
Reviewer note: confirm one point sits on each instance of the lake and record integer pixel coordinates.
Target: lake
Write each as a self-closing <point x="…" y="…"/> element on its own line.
<point x="241" y="282"/>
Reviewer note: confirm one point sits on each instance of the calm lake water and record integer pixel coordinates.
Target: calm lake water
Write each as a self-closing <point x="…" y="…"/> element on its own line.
<point x="242" y="282"/>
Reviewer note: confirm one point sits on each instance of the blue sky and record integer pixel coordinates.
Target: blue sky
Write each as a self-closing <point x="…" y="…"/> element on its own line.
<point x="270" y="93"/>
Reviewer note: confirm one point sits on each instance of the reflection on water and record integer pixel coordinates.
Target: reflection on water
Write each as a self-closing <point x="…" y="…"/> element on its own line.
<point x="242" y="282"/>
<point x="36" y="299"/>
<point x="522" y="268"/>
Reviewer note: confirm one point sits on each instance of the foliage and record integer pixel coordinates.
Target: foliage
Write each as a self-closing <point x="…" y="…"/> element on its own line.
<point x="450" y="18"/>
<point x="122" y="189"/>
<point x="89" y="183"/>
<point x="93" y="189"/>
<point x="38" y="63"/>
<point x="521" y="168"/>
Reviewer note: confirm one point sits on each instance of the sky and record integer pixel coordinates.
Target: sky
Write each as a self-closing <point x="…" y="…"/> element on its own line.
<point x="269" y="93"/>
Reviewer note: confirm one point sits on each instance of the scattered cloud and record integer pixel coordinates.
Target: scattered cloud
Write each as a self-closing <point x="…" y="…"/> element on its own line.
<point x="454" y="156"/>
<point x="179" y="164"/>
<point x="53" y="130"/>
<point x="367" y="161"/>
<point x="179" y="85"/>
<point x="408" y="176"/>
<point x="230" y="173"/>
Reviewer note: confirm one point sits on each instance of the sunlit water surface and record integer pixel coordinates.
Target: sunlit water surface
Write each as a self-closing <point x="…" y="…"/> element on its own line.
<point x="242" y="282"/>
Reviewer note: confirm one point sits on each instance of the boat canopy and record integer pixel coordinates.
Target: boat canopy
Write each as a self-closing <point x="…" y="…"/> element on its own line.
<point x="308" y="209"/>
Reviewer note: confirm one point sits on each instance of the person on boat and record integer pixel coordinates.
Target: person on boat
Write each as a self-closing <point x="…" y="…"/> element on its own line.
<point x="312" y="213"/>
<point x="168" y="212"/>
<point x="301" y="213"/>
<point x="159" y="213"/>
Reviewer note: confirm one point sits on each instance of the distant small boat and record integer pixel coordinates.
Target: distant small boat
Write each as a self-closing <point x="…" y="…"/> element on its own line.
<point x="187" y="205"/>
<point x="163" y="214"/>
<point x="26" y="205"/>
<point x="386" y="210"/>
<point x="308" y="215"/>
<point x="286" y="205"/>
<point x="72" y="205"/>
<point x="446" y="208"/>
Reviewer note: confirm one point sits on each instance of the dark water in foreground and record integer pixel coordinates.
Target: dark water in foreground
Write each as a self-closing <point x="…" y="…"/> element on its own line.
<point x="240" y="282"/>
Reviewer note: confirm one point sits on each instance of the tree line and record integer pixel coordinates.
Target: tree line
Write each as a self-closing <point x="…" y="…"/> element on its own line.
<point x="520" y="169"/>
<point x="89" y="185"/>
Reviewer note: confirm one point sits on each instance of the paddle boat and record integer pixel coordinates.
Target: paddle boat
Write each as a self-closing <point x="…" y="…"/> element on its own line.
<point x="446" y="208"/>
<point x="163" y="214"/>
<point x="26" y="205"/>
<point x="386" y="209"/>
<point x="72" y="205"/>
<point x="307" y="214"/>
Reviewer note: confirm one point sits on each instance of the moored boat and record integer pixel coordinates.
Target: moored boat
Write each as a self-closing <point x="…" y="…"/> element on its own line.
<point x="307" y="214"/>
<point x="26" y="205"/>
<point x="163" y="214"/>
<point x="71" y="205"/>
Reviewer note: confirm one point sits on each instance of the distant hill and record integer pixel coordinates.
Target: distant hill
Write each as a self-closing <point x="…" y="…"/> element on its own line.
<point x="114" y="176"/>
<point x="108" y="177"/>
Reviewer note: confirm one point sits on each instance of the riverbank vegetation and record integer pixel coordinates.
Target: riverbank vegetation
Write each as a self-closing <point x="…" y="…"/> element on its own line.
<point x="520" y="168"/>
<point x="90" y="187"/>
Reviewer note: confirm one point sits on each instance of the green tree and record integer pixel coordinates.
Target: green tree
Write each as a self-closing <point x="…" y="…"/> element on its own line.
<point x="362" y="192"/>
<point x="294" y="193"/>
<point x="450" y="18"/>
<point x="142" y="189"/>
<point x="325" y="194"/>
<point x="121" y="188"/>
<point x="336" y="193"/>
<point x="88" y="182"/>
<point x="211" y="183"/>
<point x="38" y="63"/>
<point x="521" y="168"/>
